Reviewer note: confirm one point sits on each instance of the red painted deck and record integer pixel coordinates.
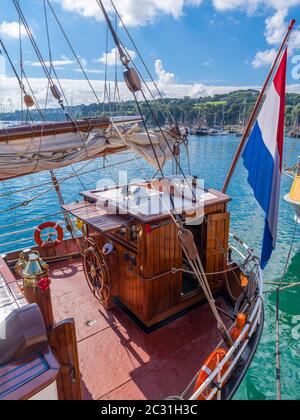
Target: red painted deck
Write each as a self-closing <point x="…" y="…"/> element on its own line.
<point x="117" y="359"/>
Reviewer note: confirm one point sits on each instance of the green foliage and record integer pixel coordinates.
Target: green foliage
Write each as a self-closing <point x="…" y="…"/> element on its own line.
<point x="232" y="109"/>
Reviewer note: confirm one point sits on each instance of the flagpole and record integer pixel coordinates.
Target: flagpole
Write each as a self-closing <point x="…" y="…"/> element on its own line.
<point x="256" y="108"/>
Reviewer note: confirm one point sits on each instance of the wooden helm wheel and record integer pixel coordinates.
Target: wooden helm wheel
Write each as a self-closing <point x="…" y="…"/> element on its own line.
<point x="96" y="272"/>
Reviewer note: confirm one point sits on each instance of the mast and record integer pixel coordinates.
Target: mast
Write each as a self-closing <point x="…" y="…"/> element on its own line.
<point x="244" y="113"/>
<point x="257" y="107"/>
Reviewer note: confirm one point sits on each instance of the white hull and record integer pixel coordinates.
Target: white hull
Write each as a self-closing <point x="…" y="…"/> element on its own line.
<point x="296" y="207"/>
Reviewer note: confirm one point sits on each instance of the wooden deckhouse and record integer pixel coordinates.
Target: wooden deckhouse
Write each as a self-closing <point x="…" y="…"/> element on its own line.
<point x="145" y="265"/>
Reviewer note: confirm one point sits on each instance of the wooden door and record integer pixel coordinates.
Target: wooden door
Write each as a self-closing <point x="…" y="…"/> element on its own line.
<point x="217" y="247"/>
<point x="64" y="345"/>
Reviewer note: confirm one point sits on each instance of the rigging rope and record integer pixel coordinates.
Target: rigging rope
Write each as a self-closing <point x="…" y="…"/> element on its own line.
<point x="186" y="240"/>
<point x="21" y="66"/>
<point x="290" y="251"/>
<point x="278" y="354"/>
<point x="27" y="202"/>
<point x="73" y="51"/>
<point x="142" y="60"/>
<point x="125" y="62"/>
<point x="21" y="84"/>
<point x="53" y="87"/>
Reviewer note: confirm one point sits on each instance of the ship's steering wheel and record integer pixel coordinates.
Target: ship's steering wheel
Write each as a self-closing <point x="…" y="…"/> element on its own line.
<point x="96" y="272"/>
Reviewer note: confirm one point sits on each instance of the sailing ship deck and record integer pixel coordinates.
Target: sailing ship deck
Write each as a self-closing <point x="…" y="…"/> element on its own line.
<point x="117" y="359"/>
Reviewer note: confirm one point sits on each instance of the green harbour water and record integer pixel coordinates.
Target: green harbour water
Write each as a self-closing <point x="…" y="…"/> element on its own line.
<point x="210" y="160"/>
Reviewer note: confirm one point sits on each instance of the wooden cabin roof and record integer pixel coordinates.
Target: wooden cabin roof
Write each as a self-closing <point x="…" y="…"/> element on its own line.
<point x="149" y="205"/>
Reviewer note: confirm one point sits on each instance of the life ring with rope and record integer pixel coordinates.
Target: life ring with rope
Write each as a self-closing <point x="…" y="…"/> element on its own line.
<point x="208" y="368"/>
<point x="48" y="225"/>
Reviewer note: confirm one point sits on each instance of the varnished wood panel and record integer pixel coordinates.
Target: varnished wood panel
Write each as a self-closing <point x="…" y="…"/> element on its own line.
<point x="64" y="345"/>
<point x="217" y="247"/>
<point x="149" y="288"/>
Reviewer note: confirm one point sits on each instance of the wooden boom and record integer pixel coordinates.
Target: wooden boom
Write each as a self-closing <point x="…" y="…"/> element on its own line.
<point x="52" y="129"/>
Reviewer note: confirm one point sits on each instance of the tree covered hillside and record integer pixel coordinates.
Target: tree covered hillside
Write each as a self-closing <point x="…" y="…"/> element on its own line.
<point x="231" y="109"/>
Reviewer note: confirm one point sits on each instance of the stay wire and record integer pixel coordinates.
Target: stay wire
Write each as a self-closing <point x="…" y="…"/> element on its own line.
<point x="290" y="250"/>
<point x="140" y="57"/>
<point x="73" y="51"/>
<point x="21" y="84"/>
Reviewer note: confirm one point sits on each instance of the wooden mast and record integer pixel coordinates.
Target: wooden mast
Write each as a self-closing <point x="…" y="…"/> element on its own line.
<point x="256" y="108"/>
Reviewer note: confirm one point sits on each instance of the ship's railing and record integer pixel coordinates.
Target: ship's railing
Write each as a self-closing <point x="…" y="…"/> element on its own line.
<point x="220" y="375"/>
<point x="21" y="232"/>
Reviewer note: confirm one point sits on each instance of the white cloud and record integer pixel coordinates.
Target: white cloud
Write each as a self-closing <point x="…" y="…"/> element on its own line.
<point x="208" y="63"/>
<point x="276" y="27"/>
<point x="264" y="58"/>
<point x="165" y="79"/>
<point x="134" y="12"/>
<point x="113" y="57"/>
<point x="249" y="5"/>
<point x="12" y="30"/>
<point x="252" y="5"/>
<point x="56" y="63"/>
<point x="137" y="12"/>
<point x="81" y="94"/>
<point x="90" y="71"/>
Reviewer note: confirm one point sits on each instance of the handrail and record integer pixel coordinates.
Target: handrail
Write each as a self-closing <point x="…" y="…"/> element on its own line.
<point x="236" y="359"/>
<point x="242" y="341"/>
<point x="18" y="232"/>
<point x="31" y="220"/>
<point x="27" y="239"/>
<point x="218" y="370"/>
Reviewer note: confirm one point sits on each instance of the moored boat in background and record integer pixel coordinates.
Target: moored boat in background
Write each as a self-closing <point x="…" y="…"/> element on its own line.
<point x="293" y="198"/>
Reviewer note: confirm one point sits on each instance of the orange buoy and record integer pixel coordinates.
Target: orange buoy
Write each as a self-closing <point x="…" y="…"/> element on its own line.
<point x="28" y="100"/>
<point x="239" y="326"/>
<point x="209" y="366"/>
<point x="244" y="281"/>
<point x="48" y="225"/>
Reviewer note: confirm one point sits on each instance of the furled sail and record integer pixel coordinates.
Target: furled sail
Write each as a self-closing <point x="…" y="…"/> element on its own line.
<point x="32" y="149"/>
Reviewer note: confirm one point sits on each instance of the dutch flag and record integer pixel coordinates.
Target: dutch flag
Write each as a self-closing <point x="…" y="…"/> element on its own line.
<point x="263" y="157"/>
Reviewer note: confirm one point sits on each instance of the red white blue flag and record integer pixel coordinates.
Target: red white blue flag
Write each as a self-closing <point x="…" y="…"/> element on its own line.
<point x="263" y="157"/>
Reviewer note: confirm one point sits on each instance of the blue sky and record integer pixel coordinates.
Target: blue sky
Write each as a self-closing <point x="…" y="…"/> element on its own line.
<point x="199" y="43"/>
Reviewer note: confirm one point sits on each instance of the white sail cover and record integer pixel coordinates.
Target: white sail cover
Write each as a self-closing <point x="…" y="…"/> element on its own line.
<point x="31" y="155"/>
